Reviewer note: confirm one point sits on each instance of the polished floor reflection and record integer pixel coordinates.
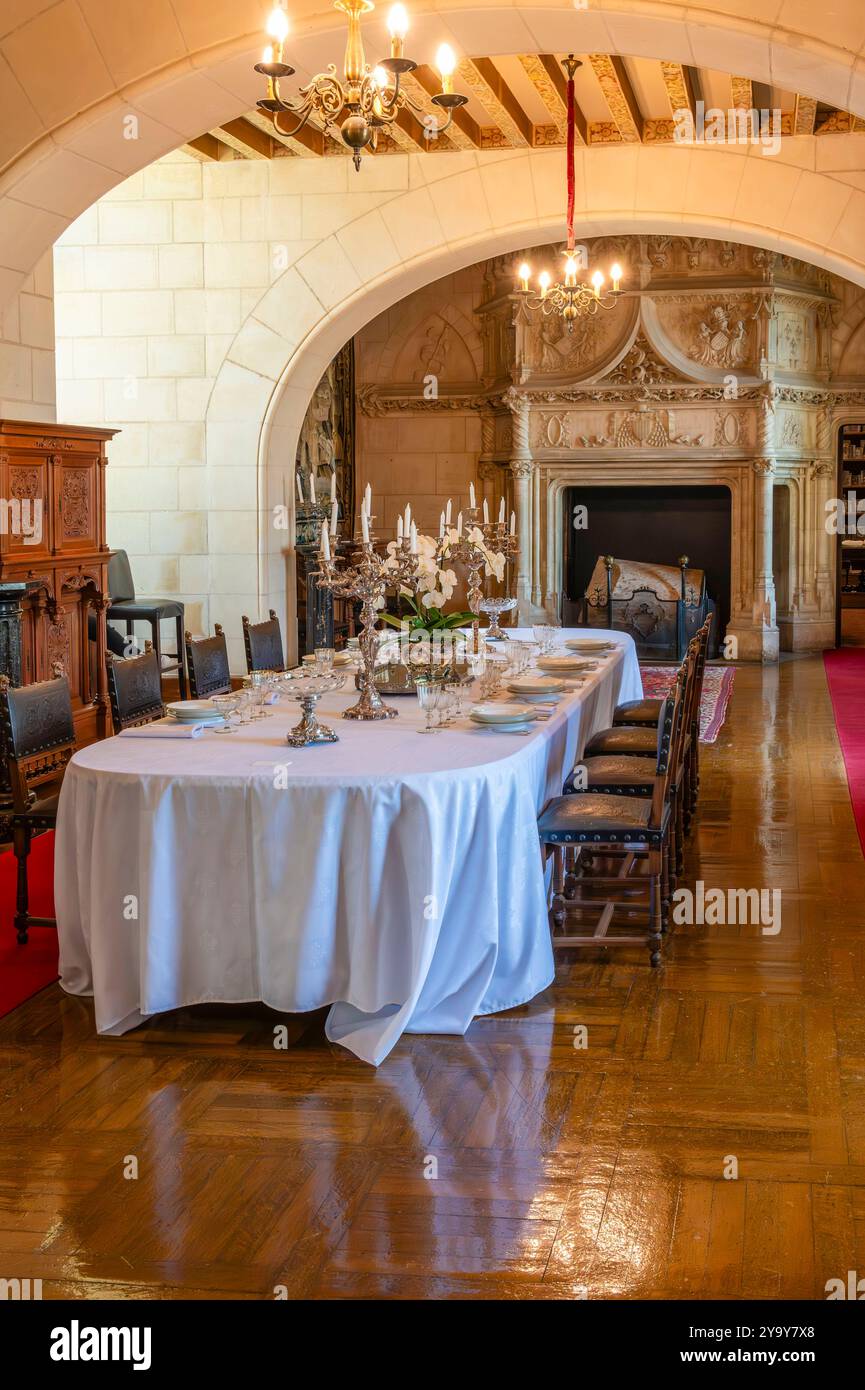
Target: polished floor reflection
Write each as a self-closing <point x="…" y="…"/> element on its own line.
<point x="191" y="1159"/>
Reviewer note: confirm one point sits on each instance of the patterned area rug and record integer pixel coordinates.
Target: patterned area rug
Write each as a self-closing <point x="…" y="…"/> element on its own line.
<point x="717" y="689"/>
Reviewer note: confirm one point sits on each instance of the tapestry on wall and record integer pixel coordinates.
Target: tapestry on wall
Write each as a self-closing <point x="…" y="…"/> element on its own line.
<point x="327" y="437"/>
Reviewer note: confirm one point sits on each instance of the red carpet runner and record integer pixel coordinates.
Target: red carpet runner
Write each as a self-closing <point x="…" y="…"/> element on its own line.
<point x="845" y="674"/>
<point x="24" y="970"/>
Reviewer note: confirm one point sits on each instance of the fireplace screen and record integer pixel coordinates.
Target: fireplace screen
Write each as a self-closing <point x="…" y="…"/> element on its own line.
<point x="660" y="606"/>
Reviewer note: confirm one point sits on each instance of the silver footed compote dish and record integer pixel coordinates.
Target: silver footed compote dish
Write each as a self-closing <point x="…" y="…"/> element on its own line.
<point x="308" y="687"/>
<point x="494" y="608"/>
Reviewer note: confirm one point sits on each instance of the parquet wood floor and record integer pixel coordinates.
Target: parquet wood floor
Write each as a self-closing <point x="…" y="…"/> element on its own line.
<point x="559" y="1170"/>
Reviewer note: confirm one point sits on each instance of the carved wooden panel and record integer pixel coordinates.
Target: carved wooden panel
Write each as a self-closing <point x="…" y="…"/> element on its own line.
<point x="77" y="505"/>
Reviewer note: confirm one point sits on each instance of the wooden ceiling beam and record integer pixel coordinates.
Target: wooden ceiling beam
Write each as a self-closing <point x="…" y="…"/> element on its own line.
<point x="482" y="79"/>
<point x="681" y="91"/>
<point x="619" y="95"/>
<point x="556" y="76"/>
<point x="206" y="148"/>
<point x="246" y="138"/>
<point x="741" y="94"/>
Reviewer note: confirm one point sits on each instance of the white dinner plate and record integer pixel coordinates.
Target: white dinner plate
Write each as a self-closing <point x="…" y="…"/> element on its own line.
<point x="207" y="721"/>
<point x="588" y="644"/>
<point x="536" y="685"/>
<point x="519" y="727"/>
<point x="502" y="713"/>
<point x="564" y="664"/>
<point x="193" y="710"/>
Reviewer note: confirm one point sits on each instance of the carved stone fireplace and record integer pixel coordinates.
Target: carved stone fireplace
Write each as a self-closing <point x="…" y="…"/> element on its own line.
<point x="714" y="370"/>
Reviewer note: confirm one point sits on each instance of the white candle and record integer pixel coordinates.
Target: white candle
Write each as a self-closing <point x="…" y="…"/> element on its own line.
<point x="413" y="543"/>
<point x="367" y="500"/>
<point x="486" y="513"/>
<point x="441" y="526"/>
<point x="399" y="528"/>
<point x="448" y="513"/>
<point x="513" y="525"/>
<point x="502" y="512"/>
<point x="325" y="542"/>
<point x="471" y="495"/>
<point x="333" y="485"/>
<point x="364" y="525"/>
<point x="460" y="524"/>
<point x="299" y="487"/>
<point x="312" y="489"/>
<point x="334" y="516"/>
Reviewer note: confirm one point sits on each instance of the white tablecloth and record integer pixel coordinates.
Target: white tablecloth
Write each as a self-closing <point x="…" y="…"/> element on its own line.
<point x="393" y="875"/>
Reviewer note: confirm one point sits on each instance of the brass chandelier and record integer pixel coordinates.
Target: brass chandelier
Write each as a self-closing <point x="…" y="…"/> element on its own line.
<point x="571" y="297"/>
<point x="365" y="100"/>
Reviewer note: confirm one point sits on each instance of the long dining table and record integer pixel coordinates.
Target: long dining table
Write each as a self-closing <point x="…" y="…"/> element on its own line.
<point x="395" y="877"/>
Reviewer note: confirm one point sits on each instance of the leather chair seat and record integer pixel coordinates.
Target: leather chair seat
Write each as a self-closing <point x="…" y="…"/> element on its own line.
<point x="642" y="742"/>
<point x="638" y="712"/>
<point x="41" y="814"/>
<point x="158" y="609"/>
<point x="617" y="773"/>
<point x="594" y="818"/>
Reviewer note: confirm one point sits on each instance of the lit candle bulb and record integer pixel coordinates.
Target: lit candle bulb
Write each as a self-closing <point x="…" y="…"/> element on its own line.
<point x="448" y="513"/>
<point x="570" y="272"/>
<point x="616" y="277"/>
<point x="277" y="28"/>
<point x="297" y="479"/>
<point x="446" y="62"/>
<point x="334" y="517"/>
<point x="333" y="485"/>
<point x="472" y="502"/>
<point x="524" y="272"/>
<point x="513" y="524"/>
<point x="364" y="526"/>
<point x="399" y="528"/>
<point x="325" y="543"/>
<point x="413" y="539"/>
<point x="397" y="23"/>
<point x="597" y="281"/>
<point x="544" y="282"/>
<point x="486" y="513"/>
<point x="460" y="524"/>
<point x="502" y="512"/>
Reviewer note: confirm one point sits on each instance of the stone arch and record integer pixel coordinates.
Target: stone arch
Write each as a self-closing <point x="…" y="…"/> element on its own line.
<point x="73" y="81"/>
<point x="506" y="203"/>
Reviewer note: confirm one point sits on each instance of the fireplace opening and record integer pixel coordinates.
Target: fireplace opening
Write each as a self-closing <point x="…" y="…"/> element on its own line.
<point x="654" y="525"/>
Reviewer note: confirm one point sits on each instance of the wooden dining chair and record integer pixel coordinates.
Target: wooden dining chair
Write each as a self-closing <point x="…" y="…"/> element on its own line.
<point x="263" y="645"/>
<point x="207" y="663"/>
<point x="643" y="714"/>
<point x="635" y="832"/>
<point x="38" y="739"/>
<point x="630" y="774"/>
<point x="135" y="690"/>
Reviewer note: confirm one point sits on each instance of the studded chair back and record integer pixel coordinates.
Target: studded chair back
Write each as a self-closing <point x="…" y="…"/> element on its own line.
<point x="135" y="688"/>
<point x="669" y="747"/>
<point x="37" y="732"/>
<point x="263" y="643"/>
<point x="207" y="663"/>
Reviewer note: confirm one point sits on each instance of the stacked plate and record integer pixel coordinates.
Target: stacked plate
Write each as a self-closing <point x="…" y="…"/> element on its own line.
<point x="586" y="645"/>
<point x="564" y="665"/>
<point x="536" y="688"/>
<point x="503" y="718"/>
<point x="194" y="712"/>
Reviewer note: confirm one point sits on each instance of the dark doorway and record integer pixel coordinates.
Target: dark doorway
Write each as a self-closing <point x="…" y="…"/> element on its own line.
<point x="653" y="524"/>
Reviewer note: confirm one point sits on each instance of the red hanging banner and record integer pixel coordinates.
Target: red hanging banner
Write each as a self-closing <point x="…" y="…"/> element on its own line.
<point x="571" y="161"/>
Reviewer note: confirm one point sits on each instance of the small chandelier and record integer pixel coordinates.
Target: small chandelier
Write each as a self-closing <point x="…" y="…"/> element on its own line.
<point x="570" y="297"/>
<point x="367" y="99"/>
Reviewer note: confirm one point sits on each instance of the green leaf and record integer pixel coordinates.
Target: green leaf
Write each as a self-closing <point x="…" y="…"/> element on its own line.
<point x="389" y="618"/>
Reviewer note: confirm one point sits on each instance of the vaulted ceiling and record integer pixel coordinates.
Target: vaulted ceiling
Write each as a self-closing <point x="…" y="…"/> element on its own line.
<point x="518" y="101"/>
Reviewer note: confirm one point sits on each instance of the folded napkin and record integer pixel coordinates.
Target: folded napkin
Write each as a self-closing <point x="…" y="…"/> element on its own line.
<point x="164" y="728"/>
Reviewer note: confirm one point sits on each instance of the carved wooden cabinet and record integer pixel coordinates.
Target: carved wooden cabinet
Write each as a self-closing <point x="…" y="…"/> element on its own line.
<point x="52" y="538"/>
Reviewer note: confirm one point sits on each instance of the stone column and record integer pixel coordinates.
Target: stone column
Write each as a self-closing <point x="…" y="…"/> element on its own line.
<point x="824" y="476"/>
<point x="521" y="472"/>
<point x="764" y="620"/>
